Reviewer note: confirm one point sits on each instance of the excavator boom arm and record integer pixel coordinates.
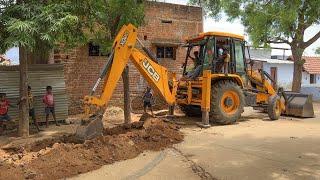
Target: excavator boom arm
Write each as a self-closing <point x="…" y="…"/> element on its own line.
<point x="156" y="75"/>
<point x="123" y="50"/>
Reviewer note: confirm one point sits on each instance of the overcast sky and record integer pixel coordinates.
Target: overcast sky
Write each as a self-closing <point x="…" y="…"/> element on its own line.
<point x="236" y="27"/>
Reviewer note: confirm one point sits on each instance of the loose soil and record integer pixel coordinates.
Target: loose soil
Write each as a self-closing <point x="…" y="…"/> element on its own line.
<point x="66" y="156"/>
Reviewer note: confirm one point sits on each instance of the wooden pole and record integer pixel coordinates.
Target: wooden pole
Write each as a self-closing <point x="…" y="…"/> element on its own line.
<point x="23" y="130"/>
<point x="126" y="95"/>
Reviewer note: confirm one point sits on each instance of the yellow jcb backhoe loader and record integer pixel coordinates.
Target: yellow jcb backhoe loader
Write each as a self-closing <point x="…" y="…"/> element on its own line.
<point x="206" y="90"/>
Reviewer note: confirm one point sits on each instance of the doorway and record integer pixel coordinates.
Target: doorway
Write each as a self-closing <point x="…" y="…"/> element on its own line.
<point x="274" y="73"/>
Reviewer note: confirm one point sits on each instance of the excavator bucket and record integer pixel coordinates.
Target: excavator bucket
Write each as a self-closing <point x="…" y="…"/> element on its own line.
<point x="91" y="128"/>
<point x="299" y="105"/>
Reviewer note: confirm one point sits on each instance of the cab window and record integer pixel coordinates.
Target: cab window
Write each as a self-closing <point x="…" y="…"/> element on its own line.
<point x="209" y="54"/>
<point x="240" y="68"/>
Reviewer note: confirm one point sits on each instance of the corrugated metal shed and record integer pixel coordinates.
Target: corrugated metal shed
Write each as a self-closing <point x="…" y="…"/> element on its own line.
<point x="39" y="76"/>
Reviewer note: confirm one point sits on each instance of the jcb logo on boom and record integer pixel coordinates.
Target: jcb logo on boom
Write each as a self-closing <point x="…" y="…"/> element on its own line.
<point x="153" y="73"/>
<point x="124" y="38"/>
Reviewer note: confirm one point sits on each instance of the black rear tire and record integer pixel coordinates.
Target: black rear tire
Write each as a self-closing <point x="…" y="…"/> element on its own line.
<point x="217" y="113"/>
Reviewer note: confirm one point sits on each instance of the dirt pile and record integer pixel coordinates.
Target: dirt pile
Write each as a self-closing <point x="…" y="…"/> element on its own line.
<point x="65" y="157"/>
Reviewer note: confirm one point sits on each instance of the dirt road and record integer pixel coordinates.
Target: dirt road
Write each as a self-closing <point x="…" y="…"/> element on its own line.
<point x="254" y="148"/>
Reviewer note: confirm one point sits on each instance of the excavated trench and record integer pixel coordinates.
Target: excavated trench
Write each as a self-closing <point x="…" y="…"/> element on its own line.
<point x="67" y="156"/>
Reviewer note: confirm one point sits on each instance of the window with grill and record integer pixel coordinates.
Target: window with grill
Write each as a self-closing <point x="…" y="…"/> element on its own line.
<point x="312" y="79"/>
<point x="95" y="50"/>
<point x="166" y="52"/>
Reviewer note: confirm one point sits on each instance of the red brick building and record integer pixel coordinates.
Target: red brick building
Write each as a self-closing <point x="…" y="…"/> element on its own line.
<point x="166" y="27"/>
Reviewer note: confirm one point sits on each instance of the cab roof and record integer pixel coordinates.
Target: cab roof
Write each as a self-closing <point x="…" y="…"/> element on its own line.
<point x="201" y="36"/>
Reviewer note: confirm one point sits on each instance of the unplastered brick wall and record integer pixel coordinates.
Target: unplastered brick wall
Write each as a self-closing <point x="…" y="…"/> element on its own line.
<point x="169" y="25"/>
<point x="165" y="25"/>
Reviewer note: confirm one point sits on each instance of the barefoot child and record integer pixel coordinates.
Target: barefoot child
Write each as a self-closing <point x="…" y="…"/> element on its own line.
<point x="4" y="108"/>
<point x="147" y="97"/>
<point x="48" y="101"/>
<point x="32" y="112"/>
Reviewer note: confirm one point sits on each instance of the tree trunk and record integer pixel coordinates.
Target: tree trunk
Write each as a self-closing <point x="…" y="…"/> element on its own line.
<point x="126" y="91"/>
<point x="40" y="55"/>
<point x="298" y="67"/>
<point x="23" y="129"/>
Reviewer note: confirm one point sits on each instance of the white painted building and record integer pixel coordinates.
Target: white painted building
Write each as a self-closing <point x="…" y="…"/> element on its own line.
<point x="310" y="80"/>
<point x="311" y="77"/>
<point x="311" y="73"/>
<point x="280" y="70"/>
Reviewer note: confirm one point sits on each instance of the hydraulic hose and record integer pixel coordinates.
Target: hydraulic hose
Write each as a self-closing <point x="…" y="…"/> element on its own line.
<point x="148" y="52"/>
<point x="103" y="72"/>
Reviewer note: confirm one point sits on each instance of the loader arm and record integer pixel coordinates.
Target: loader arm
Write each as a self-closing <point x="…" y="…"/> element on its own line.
<point x="292" y="104"/>
<point x="262" y="84"/>
<point x="124" y="50"/>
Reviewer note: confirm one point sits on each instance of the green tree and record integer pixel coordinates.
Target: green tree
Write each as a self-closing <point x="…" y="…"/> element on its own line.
<point x="37" y="26"/>
<point x="276" y="21"/>
<point x="318" y="51"/>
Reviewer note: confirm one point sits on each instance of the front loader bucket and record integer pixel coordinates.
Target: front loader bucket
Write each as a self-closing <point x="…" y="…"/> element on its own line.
<point x="299" y="105"/>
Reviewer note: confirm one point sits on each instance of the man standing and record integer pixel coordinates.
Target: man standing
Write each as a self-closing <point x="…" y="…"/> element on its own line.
<point x="226" y="61"/>
<point x="147" y="98"/>
<point x="197" y="66"/>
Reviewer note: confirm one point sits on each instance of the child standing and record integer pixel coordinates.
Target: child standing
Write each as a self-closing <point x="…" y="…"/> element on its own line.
<point x="48" y="101"/>
<point x="32" y="112"/>
<point x="4" y="108"/>
<point x="147" y="98"/>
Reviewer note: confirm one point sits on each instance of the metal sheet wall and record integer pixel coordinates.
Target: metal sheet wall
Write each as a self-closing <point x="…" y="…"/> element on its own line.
<point x="39" y="76"/>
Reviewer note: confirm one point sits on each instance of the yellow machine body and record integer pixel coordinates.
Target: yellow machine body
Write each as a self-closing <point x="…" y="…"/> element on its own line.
<point x="195" y="92"/>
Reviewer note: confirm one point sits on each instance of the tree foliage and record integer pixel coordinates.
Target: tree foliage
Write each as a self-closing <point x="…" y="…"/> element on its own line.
<point x="276" y="21"/>
<point x="273" y="21"/>
<point x="35" y="24"/>
<point x="212" y="8"/>
<point x="318" y="51"/>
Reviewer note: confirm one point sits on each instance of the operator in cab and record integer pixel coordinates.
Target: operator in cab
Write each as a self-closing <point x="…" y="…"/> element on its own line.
<point x="224" y="59"/>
